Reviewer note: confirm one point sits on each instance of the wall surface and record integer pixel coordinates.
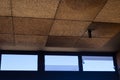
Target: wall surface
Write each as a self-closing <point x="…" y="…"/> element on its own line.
<point x="118" y="59"/>
<point x="118" y="62"/>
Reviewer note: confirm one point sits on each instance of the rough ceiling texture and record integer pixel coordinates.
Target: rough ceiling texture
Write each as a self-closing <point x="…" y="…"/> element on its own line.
<point x="69" y="24"/>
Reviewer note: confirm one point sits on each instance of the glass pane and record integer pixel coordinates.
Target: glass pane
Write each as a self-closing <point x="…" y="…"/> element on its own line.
<point x="61" y="63"/>
<point x="19" y="62"/>
<point x="95" y="63"/>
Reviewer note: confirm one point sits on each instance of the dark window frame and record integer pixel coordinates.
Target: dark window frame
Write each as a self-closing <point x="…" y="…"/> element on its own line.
<point x="63" y="70"/>
<point x="41" y="71"/>
<point x="100" y="71"/>
<point x="41" y="57"/>
<point x="18" y="62"/>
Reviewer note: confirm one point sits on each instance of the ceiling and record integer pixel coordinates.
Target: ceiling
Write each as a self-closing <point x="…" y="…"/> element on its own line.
<point x="60" y="25"/>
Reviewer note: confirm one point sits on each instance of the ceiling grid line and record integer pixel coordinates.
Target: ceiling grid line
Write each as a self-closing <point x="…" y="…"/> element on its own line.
<point x="54" y="35"/>
<point x="58" y="19"/>
<point x="110" y="13"/>
<point x="95" y="17"/>
<point x="53" y="20"/>
<point x="50" y="18"/>
<point x="13" y="33"/>
<point x="100" y="10"/>
<point x="55" y="16"/>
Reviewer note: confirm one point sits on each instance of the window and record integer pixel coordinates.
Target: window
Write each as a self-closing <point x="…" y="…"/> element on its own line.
<point x="97" y="63"/>
<point x="10" y="62"/>
<point x="61" y="63"/>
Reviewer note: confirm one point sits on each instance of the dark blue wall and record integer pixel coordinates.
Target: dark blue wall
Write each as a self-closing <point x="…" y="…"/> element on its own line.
<point x="58" y="76"/>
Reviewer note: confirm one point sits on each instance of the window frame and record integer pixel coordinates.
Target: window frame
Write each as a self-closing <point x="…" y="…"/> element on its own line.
<point x="63" y="56"/>
<point x="32" y="75"/>
<point x="11" y="52"/>
<point x="41" y="59"/>
<point x="18" y="55"/>
<point x="104" y="54"/>
<point x="96" y="70"/>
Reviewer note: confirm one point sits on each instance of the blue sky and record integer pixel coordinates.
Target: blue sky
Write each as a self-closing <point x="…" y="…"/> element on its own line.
<point x="56" y="63"/>
<point x="19" y="62"/>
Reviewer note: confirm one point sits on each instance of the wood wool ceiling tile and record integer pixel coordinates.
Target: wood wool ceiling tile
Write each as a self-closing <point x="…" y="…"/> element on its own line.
<point x="110" y="13"/>
<point x="79" y="9"/>
<point x="104" y="29"/>
<point x="91" y="42"/>
<point x="20" y="47"/>
<point x="5" y="8"/>
<point x="32" y="26"/>
<point x="35" y="8"/>
<point x="6" y="25"/>
<point x="68" y="28"/>
<point x="6" y="39"/>
<point x="30" y="40"/>
<point x="56" y="41"/>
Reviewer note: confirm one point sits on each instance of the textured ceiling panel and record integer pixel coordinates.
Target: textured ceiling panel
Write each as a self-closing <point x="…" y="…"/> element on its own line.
<point x="55" y="41"/>
<point x="20" y="47"/>
<point x="5" y="8"/>
<point x="6" y="25"/>
<point x="91" y="42"/>
<point x="110" y="13"/>
<point x="68" y="28"/>
<point x="32" y="26"/>
<point x="79" y="9"/>
<point x="35" y="8"/>
<point x="30" y="40"/>
<point x="104" y="29"/>
<point x="6" y="39"/>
